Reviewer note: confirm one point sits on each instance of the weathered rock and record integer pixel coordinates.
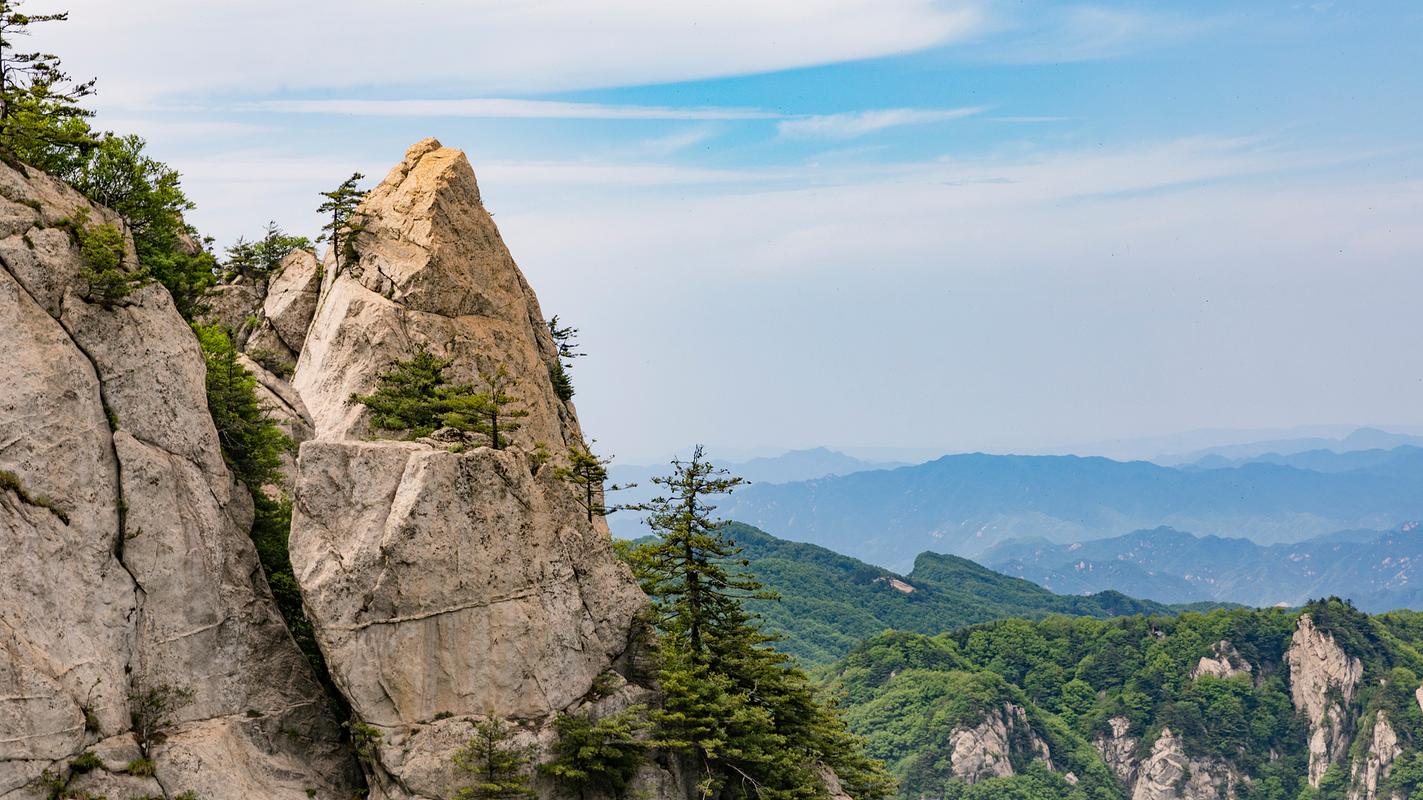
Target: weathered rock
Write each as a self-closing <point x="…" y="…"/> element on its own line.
<point x="1323" y="680"/>
<point x="430" y="269"/>
<point x="452" y="584"/>
<point x="1118" y="749"/>
<point x="447" y="587"/>
<point x="1223" y="662"/>
<point x="986" y="749"/>
<point x="1169" y="774"/>
<point x="128" y="562"/>
<point x="1376" y="760"/>
<point x="292" y="295"/>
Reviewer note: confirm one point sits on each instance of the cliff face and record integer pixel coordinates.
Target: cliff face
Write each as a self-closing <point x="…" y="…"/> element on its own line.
<point x="449" y="587"/>
<point x="988" y="749"/>
<point x="128" y="570"/>
<point x="1323" y="681"/>
<point x="444" y="588"/>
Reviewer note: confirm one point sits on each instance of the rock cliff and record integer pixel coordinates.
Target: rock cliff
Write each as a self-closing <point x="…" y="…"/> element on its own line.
<point x="989" y="748"/>
<point x="448" y="587"/>
<point x="1323" y="681"/>
<point x="128" y="570"/>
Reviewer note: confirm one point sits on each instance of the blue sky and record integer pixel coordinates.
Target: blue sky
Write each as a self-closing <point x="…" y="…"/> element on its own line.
<point x="899" y="223"/>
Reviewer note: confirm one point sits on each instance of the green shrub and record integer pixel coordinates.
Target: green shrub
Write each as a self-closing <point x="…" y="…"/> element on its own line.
<point x="142" y="767"/>
<point x="101" y="247"/>
<point x="272" y="361"/>
<point x="600" y="754"/>
<point x="85" y="762"/>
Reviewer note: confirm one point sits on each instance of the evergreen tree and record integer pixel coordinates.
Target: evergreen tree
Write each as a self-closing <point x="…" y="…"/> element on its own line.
<point x="41" y="119"/>
<point x="263" y="257"/>
<point x="497" y="409"/>
<point x="149" y="197"/>
<point x="414" y="397"/>
<point x="565" y="339"/>
<point x="586" y="474"/>
<point x="341" y="204"/>
<point x="598" y="755"/>
<point x="497" y="767"/>
<point x="746" y="713"/>
<point x="251" y="443"/>
<point x="685" y="569"/>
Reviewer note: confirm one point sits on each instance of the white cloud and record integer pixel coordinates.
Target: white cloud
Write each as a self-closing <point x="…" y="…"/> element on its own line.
<point x="502" y="108"/>
<point x="144" y="49"/>
<point x="860" y="123"/>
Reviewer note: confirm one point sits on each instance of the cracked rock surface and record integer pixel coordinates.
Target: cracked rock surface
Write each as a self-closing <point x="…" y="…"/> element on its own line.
<point x="445" y="587"/>
<point x="127" y="558"/>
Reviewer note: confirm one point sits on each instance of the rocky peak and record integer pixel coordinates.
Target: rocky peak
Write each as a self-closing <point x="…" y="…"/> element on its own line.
<point x="429" y="269"/>
<point x="447" y="587"/>
<point x="1323" y="680"/>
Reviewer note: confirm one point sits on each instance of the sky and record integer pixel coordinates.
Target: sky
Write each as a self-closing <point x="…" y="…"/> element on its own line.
<point x="923" y="225"/>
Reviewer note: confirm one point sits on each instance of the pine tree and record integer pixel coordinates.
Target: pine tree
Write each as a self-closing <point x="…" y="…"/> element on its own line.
<point x="263" y="257"/>
<point x="497" y="409"/>
<point x="586" y="474"/>
<point x="497" y="767"/>
<point x="251" y="443"/>
<point x="341" y="204"/>
<point x="744" y="711"/>
<point x="414" y="397"/>
<point x="685" y="570"/>
<point x="565" y="339"/>
<point x="41" y="118"/>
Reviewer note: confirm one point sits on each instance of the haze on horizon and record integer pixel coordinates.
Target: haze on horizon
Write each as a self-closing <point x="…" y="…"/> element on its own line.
<point x="890" y="224"/>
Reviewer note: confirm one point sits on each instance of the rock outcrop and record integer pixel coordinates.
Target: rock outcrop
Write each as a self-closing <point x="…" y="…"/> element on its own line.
<point x="128" y="568"/>
<point x="269" y="315"/>
<point x="1169" y="774"/>
<point x="447" y="587"/>
<point x="1224" y="661"/>
<point x="428" y="270"/>
<point x="987" y="749"/>
<point x="1118" y="748"/>
<point x="1376" y="760"/>
<point x="1323" y="681"/>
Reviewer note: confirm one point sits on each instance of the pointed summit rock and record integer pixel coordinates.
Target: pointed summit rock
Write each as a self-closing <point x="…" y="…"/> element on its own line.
<point x="429" y="269"/>
<point x="449" y="587"/>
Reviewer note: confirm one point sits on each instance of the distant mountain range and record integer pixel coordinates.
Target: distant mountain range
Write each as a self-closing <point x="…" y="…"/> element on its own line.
<point x="1360" y="439"/>
<point x="793" y="465"/>
<point x="1378" y="571"/>
<point x="967" y="504"/>
<point x="830" y="602"/>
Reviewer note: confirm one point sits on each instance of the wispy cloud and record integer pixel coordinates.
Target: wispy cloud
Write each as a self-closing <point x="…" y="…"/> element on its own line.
<point x="1084" y="33"/>
<point x="860" y="123"/>
<point x="484" y="47"/>
<point x="502" y="108"/>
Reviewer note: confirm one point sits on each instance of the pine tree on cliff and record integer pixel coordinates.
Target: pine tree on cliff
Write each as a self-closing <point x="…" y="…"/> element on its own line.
<point x="39" y="102"/>
<point x="497" y="409"/>
<point x="586" y="474"/>
<point x="341" y="204"/>
<point x="684" y="570"/>
<point x="497" y="768"/>
<point x="743" y="711"/>
<point x="566" y="340"/>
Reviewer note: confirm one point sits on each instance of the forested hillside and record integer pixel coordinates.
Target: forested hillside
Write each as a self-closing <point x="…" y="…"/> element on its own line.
<point x="830" y="603"/>
<point x="1254" y="704"/>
